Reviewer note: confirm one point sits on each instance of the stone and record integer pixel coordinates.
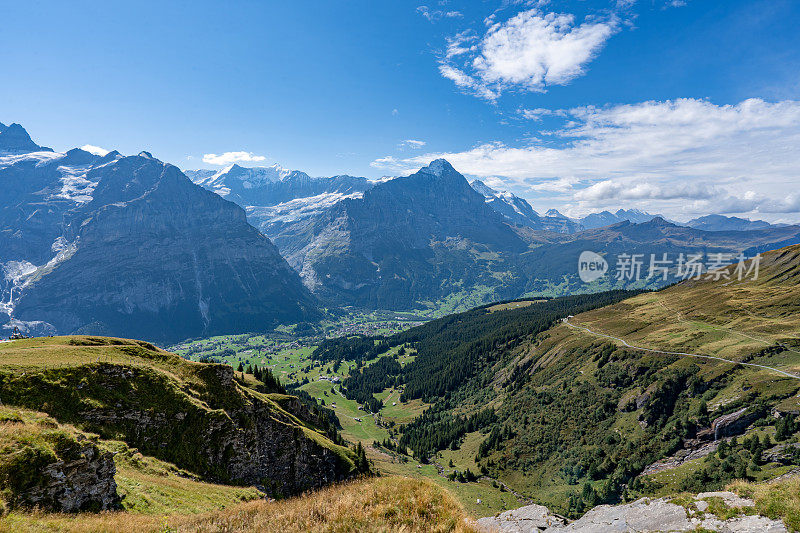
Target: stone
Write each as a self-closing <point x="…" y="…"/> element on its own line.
<point x="85" y="483"/>
<point x="522" y="520"/>
<point x="729" y="498"/>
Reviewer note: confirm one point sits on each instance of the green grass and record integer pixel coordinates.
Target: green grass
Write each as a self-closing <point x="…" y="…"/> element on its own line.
<point x="62" y="377"/>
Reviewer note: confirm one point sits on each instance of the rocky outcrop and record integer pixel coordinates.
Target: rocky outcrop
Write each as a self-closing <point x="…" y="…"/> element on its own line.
<point x="734" y="423"/>
<point x="242" y="439"/>
<point x="522" y="520"/>
<point x="205" y="423"/>
<point x="642" y="516"/>
<point x="79" y="478"/>
<point x="82" y="484"/>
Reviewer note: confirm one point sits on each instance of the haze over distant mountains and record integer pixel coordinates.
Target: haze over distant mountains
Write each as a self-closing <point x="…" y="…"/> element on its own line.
<point x="431" y="237"/>
<point x="130" y="246"/>
<point x="273" y="195"/>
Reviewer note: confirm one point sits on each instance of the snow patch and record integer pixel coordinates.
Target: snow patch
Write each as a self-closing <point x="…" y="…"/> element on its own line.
<point x="299" y="208"/>
<point x="42" y="158"/>
<point x="74" y="185"/>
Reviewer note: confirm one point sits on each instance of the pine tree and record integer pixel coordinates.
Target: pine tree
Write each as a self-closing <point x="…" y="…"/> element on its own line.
<point x="362" y="465"/>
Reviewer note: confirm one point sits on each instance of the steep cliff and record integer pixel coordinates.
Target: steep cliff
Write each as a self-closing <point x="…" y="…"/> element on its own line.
<point x="196" y="416"/>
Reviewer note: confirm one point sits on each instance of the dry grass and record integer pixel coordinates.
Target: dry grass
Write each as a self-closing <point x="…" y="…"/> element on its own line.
<point x="777" y="500"/>
<point x="729" y="319"/>
<point x="374" y="505"/>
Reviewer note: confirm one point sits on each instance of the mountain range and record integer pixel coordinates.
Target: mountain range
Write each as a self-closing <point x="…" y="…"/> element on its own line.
<point x="433" y="238"/>
<point x="130" y="245"/>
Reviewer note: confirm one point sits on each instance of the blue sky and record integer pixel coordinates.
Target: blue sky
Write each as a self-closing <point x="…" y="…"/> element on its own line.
<point x="680" y="107"/>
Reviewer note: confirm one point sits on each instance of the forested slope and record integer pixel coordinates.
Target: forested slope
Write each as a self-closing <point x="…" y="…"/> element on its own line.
<point x="573" y="418"/>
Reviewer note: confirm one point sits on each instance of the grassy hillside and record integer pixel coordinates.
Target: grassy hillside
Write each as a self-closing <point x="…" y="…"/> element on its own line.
<point x="571" y="415"/>
<point x="582" y="412"/>
<point x="200" y="417"/>
<point x="377" y="505"/>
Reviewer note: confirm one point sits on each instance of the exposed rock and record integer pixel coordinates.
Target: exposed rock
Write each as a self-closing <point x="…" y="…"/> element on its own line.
<point x="728" y="498"/>
<point x="744" y="524"/>
<point x="642" y="516"/>
<point x="81" y="480"/>
<point x="781" y="452"/>
<point x="680" y="457"/>
<point x="522" y="520"/>
<point x="733" y="423"/>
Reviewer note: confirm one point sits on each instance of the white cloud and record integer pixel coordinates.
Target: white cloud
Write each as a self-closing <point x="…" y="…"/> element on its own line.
<point x="538" y="113"/>
<point x="466" y="82"/>
<point x="414" y="144"/>
<point x="387" y="162"/>
<point x="530" y="51"/>
<point x="436" y="14"/>
<point x="232" y="157"/>
<point x="96" y="150"/>
<point x="676" y="156"/>
<point x="609" y="189"/>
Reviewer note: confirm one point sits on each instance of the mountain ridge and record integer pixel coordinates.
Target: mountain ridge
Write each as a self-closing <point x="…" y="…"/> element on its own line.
<point x="129" y="245"/>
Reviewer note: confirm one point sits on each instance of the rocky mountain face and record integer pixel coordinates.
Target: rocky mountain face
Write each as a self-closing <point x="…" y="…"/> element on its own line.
<point x="246" y="441"/>
<point x="130" y="246"/>
<point x="407" y="239"/>
<point x="431" y="235"/>
<point x="14" y="139"/>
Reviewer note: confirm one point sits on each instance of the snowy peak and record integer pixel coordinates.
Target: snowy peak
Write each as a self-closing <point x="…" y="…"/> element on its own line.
<point x="484" y="189"/>
<point x="237" y="179"/>
<point x="554" y="213"/>
<point x="438" y="167"/>
<point x="14" y="139"/>
<point x="256" y="176"/>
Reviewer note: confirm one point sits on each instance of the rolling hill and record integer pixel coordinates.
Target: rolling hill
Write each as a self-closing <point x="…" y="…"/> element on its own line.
<point x="591" y="409"/>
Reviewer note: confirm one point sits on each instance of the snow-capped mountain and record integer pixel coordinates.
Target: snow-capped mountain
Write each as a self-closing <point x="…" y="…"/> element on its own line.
<point x="274" y="196"/>
<point x="129" y="246"/>
<point x="518" y="211"/>
<point x="235" y="178"/>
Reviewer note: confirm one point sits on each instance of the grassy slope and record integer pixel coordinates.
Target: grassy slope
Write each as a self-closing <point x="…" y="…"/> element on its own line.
<point x="54" y="375"/>
<point x="383" y="504"/>
<point x="734" y="320"/>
